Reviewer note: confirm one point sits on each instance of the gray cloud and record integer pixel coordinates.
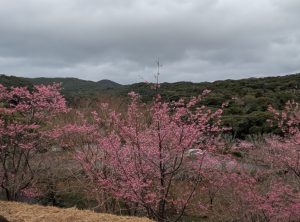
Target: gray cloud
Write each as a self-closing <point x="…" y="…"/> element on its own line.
<point x="119" y="40"/>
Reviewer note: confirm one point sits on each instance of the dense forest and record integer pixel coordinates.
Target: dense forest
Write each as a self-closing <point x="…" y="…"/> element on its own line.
<point x="248" y="99"/>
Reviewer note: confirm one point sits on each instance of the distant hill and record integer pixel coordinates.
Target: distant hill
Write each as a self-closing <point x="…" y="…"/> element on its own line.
<point x="226" y="89"/>
<point x="74" y="84"/>
<point x="9" y="81"/>
<point x="105" y="83"/>
<point x="71" y="87"/>
<point x="70" y="84"/>
<point x="246" y="113"/>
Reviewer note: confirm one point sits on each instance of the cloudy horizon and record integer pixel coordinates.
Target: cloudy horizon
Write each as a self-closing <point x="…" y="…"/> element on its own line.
<point x="120" y="40"/>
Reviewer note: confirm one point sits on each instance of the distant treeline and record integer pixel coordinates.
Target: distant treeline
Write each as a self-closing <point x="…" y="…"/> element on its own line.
<point x="248" y="99"/>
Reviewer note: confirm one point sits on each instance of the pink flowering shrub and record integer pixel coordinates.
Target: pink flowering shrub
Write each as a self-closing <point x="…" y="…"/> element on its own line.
<point x="25" y="126"/>
<point x="244" y="196"/>
<point x="264" y="184"/>
<point x="31" y="192"/>
<point x="286" y="150"/>
<point x="140" y="157"/>
<point x="267" y="188"/>
<point x="143" y="159"/>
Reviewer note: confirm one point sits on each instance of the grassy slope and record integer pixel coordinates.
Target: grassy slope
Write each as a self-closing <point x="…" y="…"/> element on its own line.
<point x="17" y="212"/>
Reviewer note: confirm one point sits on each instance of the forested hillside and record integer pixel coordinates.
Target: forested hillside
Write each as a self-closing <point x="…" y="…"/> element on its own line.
<point x="248" y="98"/>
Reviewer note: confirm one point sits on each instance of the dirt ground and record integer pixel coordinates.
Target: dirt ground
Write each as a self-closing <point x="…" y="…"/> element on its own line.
<point x="20" y="212"/>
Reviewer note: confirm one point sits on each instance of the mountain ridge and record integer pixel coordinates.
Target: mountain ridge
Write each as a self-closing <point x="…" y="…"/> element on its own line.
<point x="68" y="83"/>
<point x="104" y="82"/>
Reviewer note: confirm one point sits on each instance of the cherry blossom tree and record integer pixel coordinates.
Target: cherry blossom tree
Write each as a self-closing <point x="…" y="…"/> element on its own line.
<point x="26" y="119"/>
<point x="269" y="190"/>
<point x="286" y="149"/>
<point x="140" y="158"/>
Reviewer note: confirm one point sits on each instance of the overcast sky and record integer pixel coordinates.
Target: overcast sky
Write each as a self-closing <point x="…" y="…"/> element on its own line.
<point x="196" y="40"/>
